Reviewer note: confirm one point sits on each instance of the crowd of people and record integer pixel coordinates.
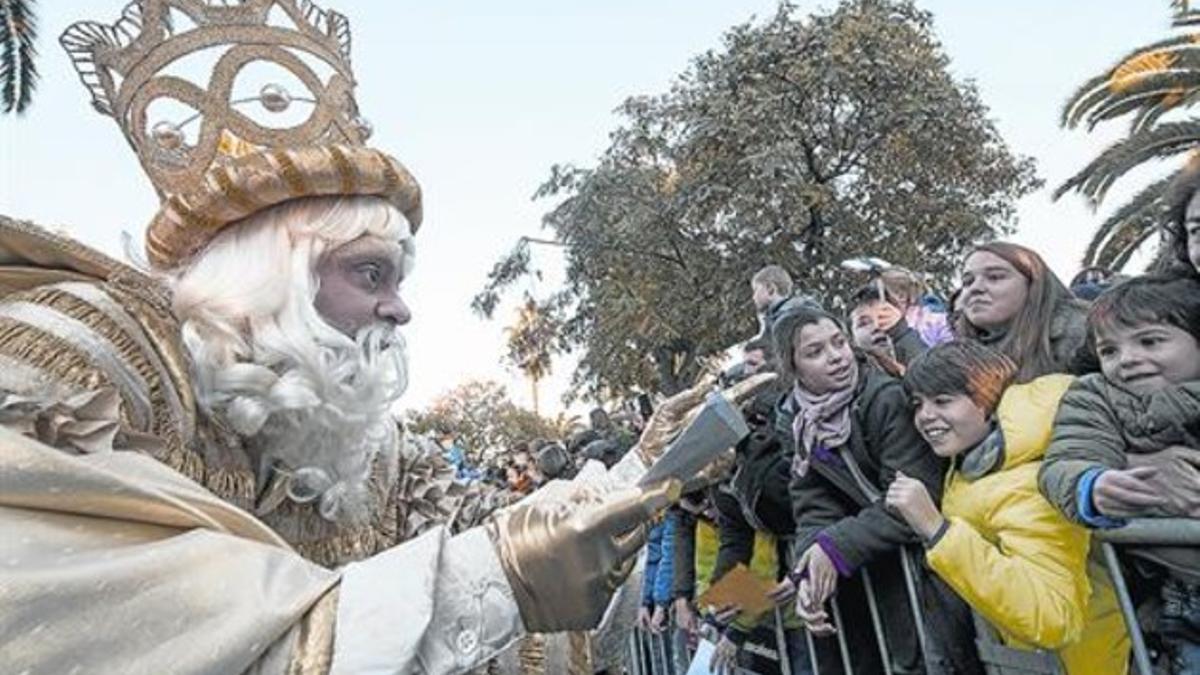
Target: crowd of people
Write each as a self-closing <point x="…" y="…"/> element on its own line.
<point x="528" y="465"/>
<point x="977" y="445"/>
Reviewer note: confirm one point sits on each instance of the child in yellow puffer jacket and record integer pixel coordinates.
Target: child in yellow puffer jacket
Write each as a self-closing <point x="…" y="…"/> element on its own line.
<point x="1004" y="549"/>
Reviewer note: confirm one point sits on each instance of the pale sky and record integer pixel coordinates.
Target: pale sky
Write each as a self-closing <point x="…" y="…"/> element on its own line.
<point x="479" y="99"/>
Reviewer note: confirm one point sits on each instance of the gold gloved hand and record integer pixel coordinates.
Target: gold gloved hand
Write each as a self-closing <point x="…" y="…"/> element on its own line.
<point x="677" y="412"/>
<point x="564" y="558"/>
<point x="667" y="420"/>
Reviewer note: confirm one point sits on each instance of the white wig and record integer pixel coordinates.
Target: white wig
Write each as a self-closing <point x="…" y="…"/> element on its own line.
<point x="312" y="401"/>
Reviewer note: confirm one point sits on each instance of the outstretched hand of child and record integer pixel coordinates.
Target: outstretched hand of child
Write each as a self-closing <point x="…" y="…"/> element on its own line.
<point x="1177" y="478"/>
<point x="1127" y="493"/>
<point x="911" y="500"/>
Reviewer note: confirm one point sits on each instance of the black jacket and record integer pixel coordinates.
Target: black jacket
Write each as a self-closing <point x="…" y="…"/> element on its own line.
<point x="756" y="498"/>
<point x="883" y="440"/>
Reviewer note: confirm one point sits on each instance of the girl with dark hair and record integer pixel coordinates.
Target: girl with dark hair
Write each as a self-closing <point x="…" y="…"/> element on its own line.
<point x="1012" y="301"/>
<point x="1127" y="440"/>
<point x="853" y="435"/>
<point x="996" y="540"/>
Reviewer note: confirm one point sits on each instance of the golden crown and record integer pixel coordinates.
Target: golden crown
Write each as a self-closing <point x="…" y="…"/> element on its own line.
<point x="236" y="165"/>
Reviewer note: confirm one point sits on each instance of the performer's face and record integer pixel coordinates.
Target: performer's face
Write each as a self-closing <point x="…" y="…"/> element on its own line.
<point x="359" y="285"/>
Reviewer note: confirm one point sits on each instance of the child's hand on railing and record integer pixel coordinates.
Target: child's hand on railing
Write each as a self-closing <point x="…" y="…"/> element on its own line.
<point x="1127" y="493"/>
<point x="1177" y="478"/>
<point x="812" y="611"/>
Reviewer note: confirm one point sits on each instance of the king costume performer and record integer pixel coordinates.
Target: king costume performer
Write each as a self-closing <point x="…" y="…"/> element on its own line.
<point x="199" y="469"/>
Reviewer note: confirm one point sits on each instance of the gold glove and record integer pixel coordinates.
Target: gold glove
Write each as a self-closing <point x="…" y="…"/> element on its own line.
<point x="716" y="471"/>
<point x="677" y="412"/>
<point x="564" y="559"/>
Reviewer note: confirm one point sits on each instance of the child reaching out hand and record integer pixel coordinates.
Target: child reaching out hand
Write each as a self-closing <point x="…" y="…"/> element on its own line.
<point x="1125" y="441"/>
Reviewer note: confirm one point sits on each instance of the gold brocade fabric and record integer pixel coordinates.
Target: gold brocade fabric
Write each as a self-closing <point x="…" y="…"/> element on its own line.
<point x="114" y="563"/>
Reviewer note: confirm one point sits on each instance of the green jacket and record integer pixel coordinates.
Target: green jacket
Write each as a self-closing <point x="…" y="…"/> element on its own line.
<point x="1098" y="426"/>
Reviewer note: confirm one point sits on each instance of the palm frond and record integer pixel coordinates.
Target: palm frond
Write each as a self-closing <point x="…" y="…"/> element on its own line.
<point x="1122" y="258"/>
<point x="1117" y="251"/>
<point x="1144" y="103"/>
<point x="1165" y="140"/>
<point x="1185" y="15"/>
<point x="1146" y="203"/>
<point x="18" y="71"/>
<point x="1150" y="114"/>
<point x="1167" y="87"/>
<point x="1134" y="65"/>
<point x="1067" y="117"/>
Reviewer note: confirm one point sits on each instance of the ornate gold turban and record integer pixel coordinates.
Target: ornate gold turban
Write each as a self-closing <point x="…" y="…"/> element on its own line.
<point x="236" y="165"/>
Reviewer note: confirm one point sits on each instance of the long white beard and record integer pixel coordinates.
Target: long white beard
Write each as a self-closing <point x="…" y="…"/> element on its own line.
<point x="324" y="419"/>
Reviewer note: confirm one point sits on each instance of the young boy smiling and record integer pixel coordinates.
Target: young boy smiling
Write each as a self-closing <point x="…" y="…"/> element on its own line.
<point x="1126" y="440"/>
<point x="996" y="540"/>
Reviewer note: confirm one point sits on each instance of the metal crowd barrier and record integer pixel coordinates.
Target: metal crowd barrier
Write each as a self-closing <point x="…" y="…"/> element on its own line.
<point x="664" y="654"/>
<point x="1145" y="532"/>
<point x="667" y="653"/>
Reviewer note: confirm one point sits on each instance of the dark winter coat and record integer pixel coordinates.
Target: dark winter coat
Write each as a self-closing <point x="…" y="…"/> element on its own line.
<point x="828" y="501"/>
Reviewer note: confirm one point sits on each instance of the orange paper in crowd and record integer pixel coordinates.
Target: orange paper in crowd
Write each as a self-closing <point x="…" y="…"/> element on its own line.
<point x="739" y="587"/>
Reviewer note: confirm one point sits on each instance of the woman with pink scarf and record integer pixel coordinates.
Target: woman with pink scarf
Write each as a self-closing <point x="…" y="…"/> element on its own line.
<point x="853" y="435"/>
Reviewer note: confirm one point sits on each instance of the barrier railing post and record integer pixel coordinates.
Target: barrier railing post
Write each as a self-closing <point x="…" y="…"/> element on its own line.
<point x="1141" y="656"/>
<point x="664" y="652"/>
<point x="844" y="648"/>
<point x="812" y="652"/>
<point x="914" y="602"/>
<point x="635" y="657"/>
<point x="877" y="622"/>
<point x="781" y="647"/>
<point x="680" y="659"/>
<point x="655" y="653"/>
<point x="644" y="653"/>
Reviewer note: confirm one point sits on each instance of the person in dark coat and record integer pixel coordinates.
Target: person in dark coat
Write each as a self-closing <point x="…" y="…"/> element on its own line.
<point x="852" y="431"/>
<point x="879" y="327"/>
<point x="753" y="512"/>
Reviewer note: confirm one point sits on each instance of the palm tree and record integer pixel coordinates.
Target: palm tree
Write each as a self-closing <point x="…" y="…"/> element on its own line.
<point x="1147" y="83"/>
<point x="18" y="72"/>
<point x="529" y="346"/>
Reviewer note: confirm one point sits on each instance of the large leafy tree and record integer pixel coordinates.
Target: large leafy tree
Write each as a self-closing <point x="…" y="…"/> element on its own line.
<point x="1150" y="86"/>
<point x="18" y="72"/>
<point x="802" y="141"/>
